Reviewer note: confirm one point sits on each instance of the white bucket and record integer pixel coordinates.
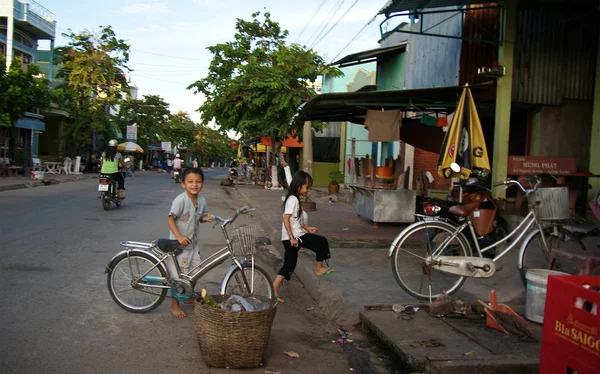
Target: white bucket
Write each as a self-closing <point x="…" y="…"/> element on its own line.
<point x="537" y="281"/>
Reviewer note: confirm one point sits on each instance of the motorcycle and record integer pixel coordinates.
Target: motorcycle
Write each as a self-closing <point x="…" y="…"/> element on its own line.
<point x="176" y="177"/>
<point x="108" y="191"/>
<point x="488" y="224"/>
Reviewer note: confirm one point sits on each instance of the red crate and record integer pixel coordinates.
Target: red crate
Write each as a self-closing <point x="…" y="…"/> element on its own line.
<point x="571" y="335"/>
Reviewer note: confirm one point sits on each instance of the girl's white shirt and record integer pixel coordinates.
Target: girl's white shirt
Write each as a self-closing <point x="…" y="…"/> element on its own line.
<point x="292" y="206"/>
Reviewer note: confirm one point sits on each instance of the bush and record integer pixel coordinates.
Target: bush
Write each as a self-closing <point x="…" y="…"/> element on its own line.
<point x="336" y="177"/>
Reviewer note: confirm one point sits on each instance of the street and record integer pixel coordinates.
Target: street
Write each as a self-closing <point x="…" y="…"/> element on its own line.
<point x="57" y="314"/>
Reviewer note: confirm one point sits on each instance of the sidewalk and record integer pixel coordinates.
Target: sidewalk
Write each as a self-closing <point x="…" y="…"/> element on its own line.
<point x="364" y="277"/>
<point x="18" y="182"/>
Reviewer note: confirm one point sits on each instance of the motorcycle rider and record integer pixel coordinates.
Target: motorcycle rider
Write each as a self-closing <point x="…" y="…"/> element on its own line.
<point x="111" y="160"/>
<point x="177" y="163"/>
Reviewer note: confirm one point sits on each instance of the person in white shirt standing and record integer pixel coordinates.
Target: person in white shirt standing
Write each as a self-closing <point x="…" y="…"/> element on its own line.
<point x="295" y="234"/>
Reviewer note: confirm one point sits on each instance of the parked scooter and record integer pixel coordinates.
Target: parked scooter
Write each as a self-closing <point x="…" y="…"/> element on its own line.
<point x="108" y="191"/>
<point x="488" y="224"/>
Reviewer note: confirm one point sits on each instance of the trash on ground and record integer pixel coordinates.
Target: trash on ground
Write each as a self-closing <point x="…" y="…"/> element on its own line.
<point x="292" y="354"/>
<point x="235" y="303"/>
<point x="446" y="305"/>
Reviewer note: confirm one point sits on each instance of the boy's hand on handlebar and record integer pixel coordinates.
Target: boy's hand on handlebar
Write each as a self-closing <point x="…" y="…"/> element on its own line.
<point x="184" y="240"/>
<point x="206" y="218"/>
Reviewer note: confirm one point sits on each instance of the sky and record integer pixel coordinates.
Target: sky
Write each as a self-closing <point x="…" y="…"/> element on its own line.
<point x="168" y="38"/>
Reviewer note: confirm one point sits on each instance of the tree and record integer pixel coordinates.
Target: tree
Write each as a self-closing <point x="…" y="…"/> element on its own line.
<point x="180" y="130"/>
<point x="151" y="114"/>
<point x="211" y="144"/>
<point x="93" y="67"/>
<point x="256" y="82"/>
<point x="21" y="90"/>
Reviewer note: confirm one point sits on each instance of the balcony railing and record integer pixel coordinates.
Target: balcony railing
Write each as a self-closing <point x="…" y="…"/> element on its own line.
<point x="35" y="14"/>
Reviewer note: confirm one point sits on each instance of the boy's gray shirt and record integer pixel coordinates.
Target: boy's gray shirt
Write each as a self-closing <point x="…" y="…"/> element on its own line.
<point x="187" y="216"/>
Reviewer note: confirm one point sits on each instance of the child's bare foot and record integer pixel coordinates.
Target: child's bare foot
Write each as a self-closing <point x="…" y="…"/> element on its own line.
<point x="177" y="312"/>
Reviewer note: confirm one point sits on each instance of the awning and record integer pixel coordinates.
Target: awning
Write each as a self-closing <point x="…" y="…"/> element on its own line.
<point x="394" y="6"/>
<point x="353" y="106"/>
<point x="290" y="141"/>
<point x="370" y="55"/>
<point x="31" y="124"/>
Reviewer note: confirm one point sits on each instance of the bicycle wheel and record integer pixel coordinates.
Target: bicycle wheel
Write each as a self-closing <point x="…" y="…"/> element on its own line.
<point x="411" y="270"/>
<point x="135" y="298"/>
<point x="244" y="284"/>
<point x="535" y="255"/>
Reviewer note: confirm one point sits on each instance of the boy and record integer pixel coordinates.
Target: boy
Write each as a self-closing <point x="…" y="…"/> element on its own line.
<point x="187" y="212"/>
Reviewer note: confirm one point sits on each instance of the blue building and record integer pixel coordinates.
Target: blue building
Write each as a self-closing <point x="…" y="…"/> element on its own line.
<point x="22" y="24"/>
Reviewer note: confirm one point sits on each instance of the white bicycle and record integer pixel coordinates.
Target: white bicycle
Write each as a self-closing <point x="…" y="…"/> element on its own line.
<point x="138" y="279"/>
<point x="433" y="257"/>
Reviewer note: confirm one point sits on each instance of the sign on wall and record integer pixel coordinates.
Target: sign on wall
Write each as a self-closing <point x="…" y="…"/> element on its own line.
<point x="166" y="146"/>
<point x="524" y="165"/>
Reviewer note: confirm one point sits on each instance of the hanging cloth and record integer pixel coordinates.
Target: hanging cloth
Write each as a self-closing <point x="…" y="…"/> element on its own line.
<point x="384" y="126"/>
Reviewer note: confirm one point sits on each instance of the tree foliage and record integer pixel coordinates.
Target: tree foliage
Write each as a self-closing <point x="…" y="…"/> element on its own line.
<point x="21" y="90"/>
<point x="151" y="115"/>
<point x="211" y="144"/>
<point x="180" y="129"/>
<point x="92" y="69"/>
<point x="256" y="82"/>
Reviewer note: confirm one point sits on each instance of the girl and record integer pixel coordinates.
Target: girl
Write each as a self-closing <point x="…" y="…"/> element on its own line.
<point x="295" y="233"/>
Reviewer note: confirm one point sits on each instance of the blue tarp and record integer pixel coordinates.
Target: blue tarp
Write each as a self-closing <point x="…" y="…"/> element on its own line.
<point x="31" y="124"/>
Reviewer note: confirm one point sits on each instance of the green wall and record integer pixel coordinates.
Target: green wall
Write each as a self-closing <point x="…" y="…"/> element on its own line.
<point x="321" y="172"/>
<point x="391" y="73"/>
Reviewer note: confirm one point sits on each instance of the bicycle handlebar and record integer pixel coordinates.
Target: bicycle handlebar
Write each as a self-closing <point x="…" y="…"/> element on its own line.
<point x="226" y="221"/>
<point x="537" y="178"/>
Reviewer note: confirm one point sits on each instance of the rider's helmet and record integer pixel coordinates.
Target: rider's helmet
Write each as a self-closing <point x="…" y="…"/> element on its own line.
<point x="112" y="143"/>
<point x="177" y="155"/>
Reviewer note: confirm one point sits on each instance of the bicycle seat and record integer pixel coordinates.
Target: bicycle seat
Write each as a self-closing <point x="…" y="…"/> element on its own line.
<point x="167" y="245"/>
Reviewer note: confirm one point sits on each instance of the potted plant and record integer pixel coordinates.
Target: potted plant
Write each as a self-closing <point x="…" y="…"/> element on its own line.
<point x="335" y="179"/>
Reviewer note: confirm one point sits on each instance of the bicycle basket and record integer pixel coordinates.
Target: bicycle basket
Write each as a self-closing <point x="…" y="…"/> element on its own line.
<point x="243" y="240"/>
<point x="551" y="203"/>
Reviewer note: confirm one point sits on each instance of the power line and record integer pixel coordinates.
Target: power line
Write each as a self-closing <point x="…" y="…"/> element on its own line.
<point x="311" y="20"/>
<point x="354" y="37"/>
<point x="168" y="66"/>
<point x="177" y="57"/>
<point x="335" y="24"/>
<point x="162" y="80"/>
<point x="320" y="30"/>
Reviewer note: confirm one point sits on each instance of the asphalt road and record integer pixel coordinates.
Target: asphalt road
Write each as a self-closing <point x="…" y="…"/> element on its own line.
<point x="57" y="315"/>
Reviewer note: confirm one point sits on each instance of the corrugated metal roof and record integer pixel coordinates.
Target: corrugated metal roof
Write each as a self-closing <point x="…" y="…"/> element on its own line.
<point x="370" y="55"/>
<point x="394" y="6"/>
<point x="555" y="56"/>
<point x="353" y="106"/>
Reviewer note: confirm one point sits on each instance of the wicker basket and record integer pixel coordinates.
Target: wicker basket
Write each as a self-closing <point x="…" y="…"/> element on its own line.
<point x="233" y="339"/>
<point x="243" y="241"/>
<point x="551" y="203"/>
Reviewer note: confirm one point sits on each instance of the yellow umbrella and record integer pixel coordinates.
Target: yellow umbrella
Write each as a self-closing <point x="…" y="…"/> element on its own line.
<point x="464" y="143"/>
<point x="129" y="146"/>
